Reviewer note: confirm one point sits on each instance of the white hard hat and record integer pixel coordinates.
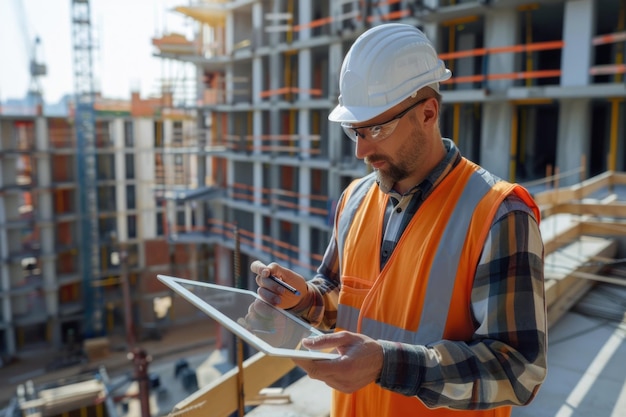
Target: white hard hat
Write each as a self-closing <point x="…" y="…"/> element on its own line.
<point x="384" y="66"/>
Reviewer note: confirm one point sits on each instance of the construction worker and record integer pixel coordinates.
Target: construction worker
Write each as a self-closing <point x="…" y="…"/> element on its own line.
<point x="433" y="278"/>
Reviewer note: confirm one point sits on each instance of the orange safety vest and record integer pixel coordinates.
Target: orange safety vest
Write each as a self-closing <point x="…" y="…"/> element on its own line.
<point x="422" y="295"/>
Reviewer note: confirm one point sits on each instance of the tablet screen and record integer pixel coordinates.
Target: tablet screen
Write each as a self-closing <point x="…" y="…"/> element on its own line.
<point x="269" y="329"/>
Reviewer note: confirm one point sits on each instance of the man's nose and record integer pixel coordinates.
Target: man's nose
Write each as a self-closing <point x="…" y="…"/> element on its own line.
<point x="363" y="147"/>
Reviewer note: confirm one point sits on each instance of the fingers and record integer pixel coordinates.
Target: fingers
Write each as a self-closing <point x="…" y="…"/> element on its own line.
<point x="326" y="341"/>
<point x="257" y="267"/>
<point x="263" y="272"/>
<point x="268" y="289"/>
<point x="269" y="279"/>
<point x="360" y="362"/>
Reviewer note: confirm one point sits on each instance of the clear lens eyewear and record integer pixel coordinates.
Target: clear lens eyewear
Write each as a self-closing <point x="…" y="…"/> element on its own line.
<point x="377" y="132"/>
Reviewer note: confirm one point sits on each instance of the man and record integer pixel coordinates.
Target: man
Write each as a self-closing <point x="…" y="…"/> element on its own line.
<point x="433" y="278"/>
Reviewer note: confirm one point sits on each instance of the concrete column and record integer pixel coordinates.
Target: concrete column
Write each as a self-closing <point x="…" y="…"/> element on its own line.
<point x="465" y="67"/>
<point x="200" y="133"/>
<point x="334" y="134"/>
<point x="229" y="35"/>
<point x="257" y="116"/>
<point x="257" y="183"/>
<point x="276" y="69"/>
<point x="304" y="190"/>
<point x="230" y="173"/>
<point x="304" y="15"/>
<point x="495" y="141"/>
<point x="201" y="213"/>
<point x="188" y="216"/>
<point x="579" y="26"/>
<point x="335" y="9"/>
<point x="305" y="67"/>
<point x="574" y="115"/>
<point x="431" y="30"/>
<point x="45" y="212"/>
<point x="143" y="132"/>
<point x="258" y="27"/>
<point x="573" y="138"/>
<point x="501" y="29"/>
<point x="304" y="133"/>
<point x="117" y="131"/>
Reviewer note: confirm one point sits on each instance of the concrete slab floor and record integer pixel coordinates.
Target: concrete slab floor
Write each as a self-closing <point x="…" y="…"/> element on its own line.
<point x="586" y="370"/>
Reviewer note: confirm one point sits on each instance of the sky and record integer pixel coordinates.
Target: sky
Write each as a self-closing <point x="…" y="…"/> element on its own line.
<point x="122" y="58"/>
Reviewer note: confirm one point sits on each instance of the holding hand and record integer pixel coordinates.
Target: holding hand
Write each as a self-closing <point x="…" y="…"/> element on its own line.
<point x="360" y="363"/>
<point x="273" y="292"/>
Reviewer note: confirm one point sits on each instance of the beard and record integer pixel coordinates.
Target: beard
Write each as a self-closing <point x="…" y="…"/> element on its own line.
<point x="388" y="176"/>
<point x="400" y="168"/>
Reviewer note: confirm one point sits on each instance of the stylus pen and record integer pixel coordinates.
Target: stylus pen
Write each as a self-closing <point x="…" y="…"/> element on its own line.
<point x="285" y="285"/>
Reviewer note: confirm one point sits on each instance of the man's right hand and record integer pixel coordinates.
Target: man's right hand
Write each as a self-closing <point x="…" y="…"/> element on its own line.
<point x="275" y="293"/>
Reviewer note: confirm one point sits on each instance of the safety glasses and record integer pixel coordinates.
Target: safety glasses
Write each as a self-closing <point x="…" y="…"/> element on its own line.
<point x="377" y="132"/>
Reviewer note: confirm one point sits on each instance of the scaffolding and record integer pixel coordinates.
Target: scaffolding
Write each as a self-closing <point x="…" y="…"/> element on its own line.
<point x="86" y="165"/>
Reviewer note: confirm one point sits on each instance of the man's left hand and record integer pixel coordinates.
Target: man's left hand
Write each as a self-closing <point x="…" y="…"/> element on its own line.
<point x="360" y="363"/>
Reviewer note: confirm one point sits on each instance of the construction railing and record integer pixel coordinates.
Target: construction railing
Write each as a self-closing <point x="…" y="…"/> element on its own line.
<point x="485" y="53"/>
<point x="288" y="144"/>
<point x="289" y="254"/>
<point x="316" y="205"/>
<point x="618" y="67"/>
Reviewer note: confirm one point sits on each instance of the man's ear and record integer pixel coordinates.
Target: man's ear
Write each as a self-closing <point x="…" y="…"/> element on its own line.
<point x="431" y="111"/>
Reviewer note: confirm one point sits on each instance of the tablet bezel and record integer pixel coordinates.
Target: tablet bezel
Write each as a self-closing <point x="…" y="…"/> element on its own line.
<point x="175" y="284"/>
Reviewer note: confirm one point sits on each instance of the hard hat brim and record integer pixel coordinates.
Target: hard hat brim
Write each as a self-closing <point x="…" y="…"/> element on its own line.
<point x="360" y="114"/>
<point x="354" y="114"/>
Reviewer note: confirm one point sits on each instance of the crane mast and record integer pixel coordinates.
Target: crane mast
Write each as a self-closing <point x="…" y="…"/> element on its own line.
<point x="85" y="130"/>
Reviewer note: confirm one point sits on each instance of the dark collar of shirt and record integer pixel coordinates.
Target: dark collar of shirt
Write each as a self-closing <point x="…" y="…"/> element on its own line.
<point x="402" y="207"/>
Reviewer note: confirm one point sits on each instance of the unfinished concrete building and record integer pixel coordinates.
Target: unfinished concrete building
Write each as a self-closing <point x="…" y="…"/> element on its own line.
<point x="537" y="88"/>
<point x="45" y="300"/>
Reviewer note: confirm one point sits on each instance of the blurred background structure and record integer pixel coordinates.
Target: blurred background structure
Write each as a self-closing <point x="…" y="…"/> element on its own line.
<point x="96" y="202"/>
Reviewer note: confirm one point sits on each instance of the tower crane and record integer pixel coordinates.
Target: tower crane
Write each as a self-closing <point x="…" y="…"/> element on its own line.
<point x="85" y="129"/>
<point x="36" y="67"/>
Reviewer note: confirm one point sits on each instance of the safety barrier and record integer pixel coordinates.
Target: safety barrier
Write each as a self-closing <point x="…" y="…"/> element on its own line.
<point x="284" y="252"/>
<point x="287" y="143"/>
<point x="487" y="52"/>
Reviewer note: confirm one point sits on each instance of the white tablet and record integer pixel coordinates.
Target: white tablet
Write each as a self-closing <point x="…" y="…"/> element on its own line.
<point x="269" y="329"/>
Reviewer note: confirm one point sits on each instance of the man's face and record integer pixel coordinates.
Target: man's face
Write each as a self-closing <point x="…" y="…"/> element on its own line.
<point x="399" y="156"/>
<point x="400" y="144"/>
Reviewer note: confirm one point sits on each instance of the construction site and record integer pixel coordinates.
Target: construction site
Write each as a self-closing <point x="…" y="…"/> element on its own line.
<point x="198" y="183"/>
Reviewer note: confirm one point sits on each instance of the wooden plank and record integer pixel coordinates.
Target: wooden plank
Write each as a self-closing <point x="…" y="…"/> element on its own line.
<point x="559" y="230"/>
<point x="601" y="228"/>
<point x="564" y="296"/>
<point x="600" y="278"/>
<point x="575" y="192"/>
<point x="219" y="399"/>
<point x="562" y="287"/>
<point x="616" y="209"/>
<point x="310" y="398"/>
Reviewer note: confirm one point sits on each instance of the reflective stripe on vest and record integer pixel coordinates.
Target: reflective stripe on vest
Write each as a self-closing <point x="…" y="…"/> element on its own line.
<point x="442" y="274"/>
